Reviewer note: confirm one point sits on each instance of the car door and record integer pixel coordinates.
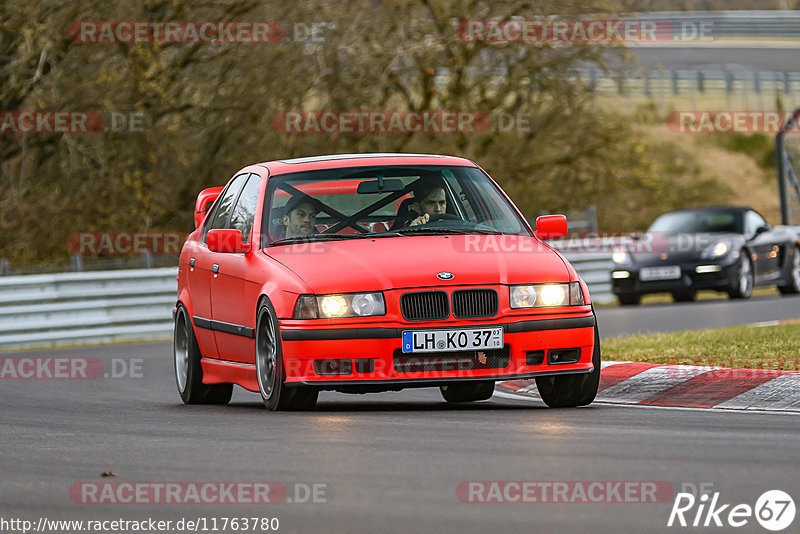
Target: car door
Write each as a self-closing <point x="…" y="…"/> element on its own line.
<point x="203" y="273"/>
<point x="764" y="248"/>
<point x="233" y="294"/>
<point x="199" y="281"/>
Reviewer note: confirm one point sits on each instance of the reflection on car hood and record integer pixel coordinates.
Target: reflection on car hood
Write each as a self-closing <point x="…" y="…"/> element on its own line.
<point x="400" y="262"/>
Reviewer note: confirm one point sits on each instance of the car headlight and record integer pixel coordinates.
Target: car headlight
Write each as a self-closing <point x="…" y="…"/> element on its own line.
<point x="621" y="257"/>
<point x="340" y="305"/>
<point x="546" y="295"/>
<point x="716" y="250"/>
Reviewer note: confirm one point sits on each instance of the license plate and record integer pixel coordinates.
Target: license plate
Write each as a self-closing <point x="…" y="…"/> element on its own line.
<point x="671" y="272"/>
<point x="453" y="340"/>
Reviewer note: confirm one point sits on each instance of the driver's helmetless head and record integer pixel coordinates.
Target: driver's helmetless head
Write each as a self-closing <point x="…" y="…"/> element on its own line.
<point x="300" y="220"/>
<point x="430" y="201"/>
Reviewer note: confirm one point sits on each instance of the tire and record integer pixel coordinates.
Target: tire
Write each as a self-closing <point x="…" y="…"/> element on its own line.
<point x="568" y="391"/>
<point x="269" y="367"/>
<point x="742" y="288"/>
<point x="188" y="370"/>
<point x="629" y="300"/>
<point x="793" y="287"/>
<point x="468" y="391"/>
<point x="684" y="295"/>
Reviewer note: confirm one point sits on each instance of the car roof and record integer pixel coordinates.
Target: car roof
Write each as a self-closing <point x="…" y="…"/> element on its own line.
<point x="334" y="161"/>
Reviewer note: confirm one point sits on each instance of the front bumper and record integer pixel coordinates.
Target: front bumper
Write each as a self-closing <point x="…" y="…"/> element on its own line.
<point x="376" y="357"/>
<point x="690" y="279"/>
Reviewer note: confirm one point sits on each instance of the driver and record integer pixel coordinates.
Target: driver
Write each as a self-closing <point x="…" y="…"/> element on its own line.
<point x="429" y="200"/>
<point x="299" y="217"/>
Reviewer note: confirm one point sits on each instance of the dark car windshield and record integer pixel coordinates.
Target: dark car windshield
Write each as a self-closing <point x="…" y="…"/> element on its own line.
<point x="385" y="201"/>
<point x="699" y="222"/>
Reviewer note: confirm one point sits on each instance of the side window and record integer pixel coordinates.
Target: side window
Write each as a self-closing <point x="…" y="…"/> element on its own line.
<point x="222" y="207"/>
<point x="245" y="210"/>
<point x="753" y="221"/>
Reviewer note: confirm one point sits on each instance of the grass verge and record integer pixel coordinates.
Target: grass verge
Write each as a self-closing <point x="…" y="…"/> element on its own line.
<point x="739" y="347"/>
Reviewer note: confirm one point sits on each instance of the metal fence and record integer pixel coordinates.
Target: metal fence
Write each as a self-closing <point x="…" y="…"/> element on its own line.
<point x="79" y="263"/>
<point x="689" y="82"/>
<point x="103" y="307"/>
<point x="763" y="24"/>
<point x="595" y="269"/>
<point x="92" y="307"/>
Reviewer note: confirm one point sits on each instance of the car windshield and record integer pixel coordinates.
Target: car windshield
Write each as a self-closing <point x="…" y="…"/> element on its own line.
<point x="699" y="222"/>
<point x="386" y="201"/>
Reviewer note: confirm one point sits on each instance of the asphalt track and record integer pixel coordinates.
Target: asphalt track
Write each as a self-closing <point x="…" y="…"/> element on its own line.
<point x="390" y="462"/>
<point x="672" y="317"/>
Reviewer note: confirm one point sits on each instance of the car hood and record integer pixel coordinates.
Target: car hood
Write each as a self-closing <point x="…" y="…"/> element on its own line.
<point x="414" y="261"/>
<point x="662" y="249"/>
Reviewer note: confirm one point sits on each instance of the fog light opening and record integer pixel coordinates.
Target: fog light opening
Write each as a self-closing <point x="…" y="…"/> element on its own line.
<point x="561" y="356"/>
<point x="333" y="367"/>
<point x="534" y="357"/>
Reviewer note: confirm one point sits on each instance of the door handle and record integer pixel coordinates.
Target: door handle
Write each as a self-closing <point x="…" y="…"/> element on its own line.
<point x="215" y="268"/>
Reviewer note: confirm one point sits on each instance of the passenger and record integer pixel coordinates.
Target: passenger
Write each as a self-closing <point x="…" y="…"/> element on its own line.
<point x="299" y="217"/>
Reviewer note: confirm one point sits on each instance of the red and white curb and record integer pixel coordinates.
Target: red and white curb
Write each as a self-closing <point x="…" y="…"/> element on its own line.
<point x="689" y="386"/>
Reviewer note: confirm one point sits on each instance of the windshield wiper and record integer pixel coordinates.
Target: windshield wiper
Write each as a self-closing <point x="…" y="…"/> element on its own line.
<point x="331" y="237"/>
<point x="458" y="231"/>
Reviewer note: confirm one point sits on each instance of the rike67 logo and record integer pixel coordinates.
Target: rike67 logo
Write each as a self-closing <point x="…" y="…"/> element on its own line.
<point x="774" y="510"/>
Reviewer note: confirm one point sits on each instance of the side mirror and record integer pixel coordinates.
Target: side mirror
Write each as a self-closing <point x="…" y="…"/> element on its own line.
<point x="761" y="229"/>
<point x="225" y="240"/>
<point x="204" y="201"/>
<point x="551" y="226"/>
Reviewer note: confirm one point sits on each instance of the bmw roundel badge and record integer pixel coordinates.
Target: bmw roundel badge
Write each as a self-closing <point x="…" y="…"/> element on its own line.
<point x="445" y="276"/>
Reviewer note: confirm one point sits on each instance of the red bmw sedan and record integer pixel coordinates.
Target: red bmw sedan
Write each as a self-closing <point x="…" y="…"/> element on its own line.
<point x="376" y="272"/>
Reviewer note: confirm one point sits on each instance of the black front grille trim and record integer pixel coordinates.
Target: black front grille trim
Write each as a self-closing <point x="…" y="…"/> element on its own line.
<point x="425" y="306"/>
<point x="452" y="361"/>
<point x="475" y="303"/>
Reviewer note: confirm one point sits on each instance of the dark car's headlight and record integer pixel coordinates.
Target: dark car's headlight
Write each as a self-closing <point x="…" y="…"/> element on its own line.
<point x="339" y="305"/>
<point x="717" y="250"/>
<point x="546" y="295"/>
<point x="621" y="256"/>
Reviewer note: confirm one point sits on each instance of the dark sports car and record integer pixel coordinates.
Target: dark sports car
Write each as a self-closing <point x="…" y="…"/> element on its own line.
<point x="728" y="249"/>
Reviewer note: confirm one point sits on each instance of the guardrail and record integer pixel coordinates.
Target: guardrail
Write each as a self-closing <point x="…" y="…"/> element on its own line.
<point x="595" y="269"/>
<point x="93" y="307"/>
<point x="744" y="23"/>
<point x="655" y="82"/>
<point x="108" y="306"/>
